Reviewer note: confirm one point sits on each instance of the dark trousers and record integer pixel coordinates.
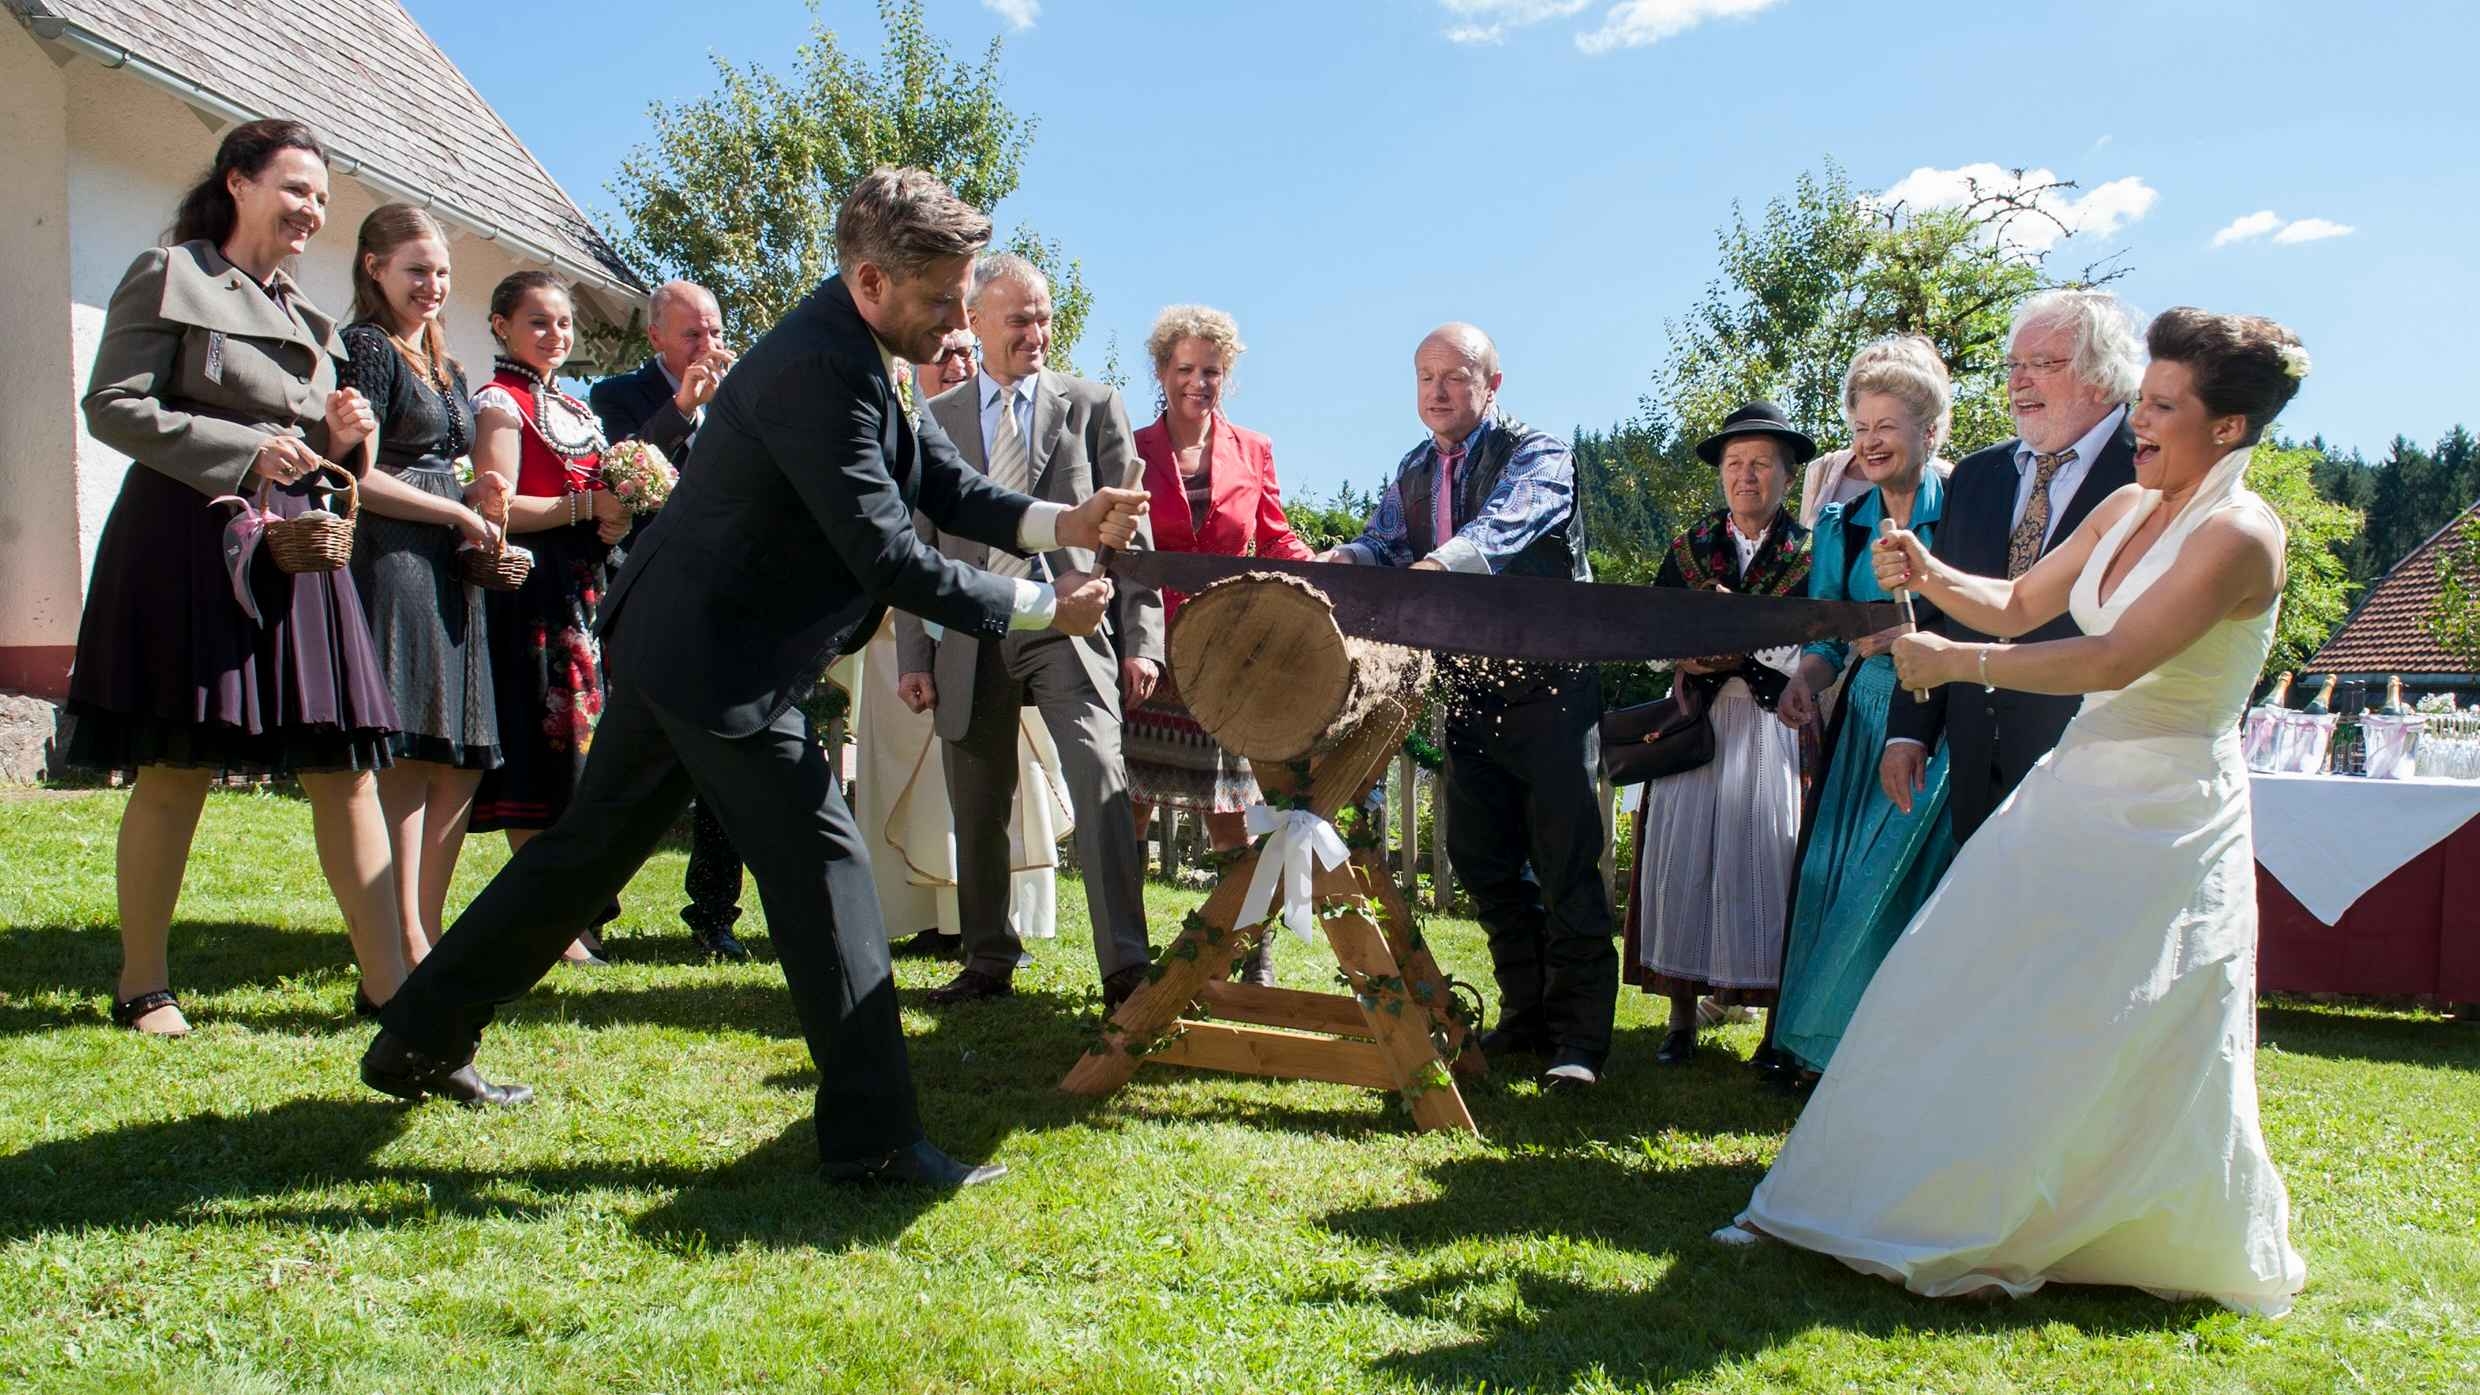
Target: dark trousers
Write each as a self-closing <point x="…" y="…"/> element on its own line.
<point x="714" y="878"/>
<point x="776" y="794"/>
<point x="1989" y="752"/>
<point x="1525" y="832"/>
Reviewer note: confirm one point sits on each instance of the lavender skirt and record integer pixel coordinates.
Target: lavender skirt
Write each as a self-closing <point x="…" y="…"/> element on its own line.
<point x="171" y="671"/>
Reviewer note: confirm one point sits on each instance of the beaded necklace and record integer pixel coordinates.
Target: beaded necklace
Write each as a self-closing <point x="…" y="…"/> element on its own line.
<point x="547" y="424"/>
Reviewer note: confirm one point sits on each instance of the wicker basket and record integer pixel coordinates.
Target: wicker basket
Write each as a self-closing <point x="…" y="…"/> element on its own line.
<point x="498" y="567"/>
<point x="314" y="542"/>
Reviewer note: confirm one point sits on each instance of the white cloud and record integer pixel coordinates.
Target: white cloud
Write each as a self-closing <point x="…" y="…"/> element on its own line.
<point x="2055" y="214"/>
<point x="1639" y="23"/>
<point x="1491" y="19"/>
<point x="2256" y="224"/>
<point x="2265" y="220"/>
<point x="1020" y="14"/>
<point x="2313" y="230"/>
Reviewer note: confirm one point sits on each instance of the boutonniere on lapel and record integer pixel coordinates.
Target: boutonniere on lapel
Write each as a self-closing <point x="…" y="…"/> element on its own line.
<point x="904" y="392"/>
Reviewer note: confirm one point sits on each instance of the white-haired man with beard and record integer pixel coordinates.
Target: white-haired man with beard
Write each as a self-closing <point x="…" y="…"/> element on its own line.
<point x="2073" y="362"/>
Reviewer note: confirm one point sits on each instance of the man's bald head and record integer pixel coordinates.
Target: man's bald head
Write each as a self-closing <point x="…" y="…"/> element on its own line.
<point x="682" y="322"/>
<point x="1456" y="369"/>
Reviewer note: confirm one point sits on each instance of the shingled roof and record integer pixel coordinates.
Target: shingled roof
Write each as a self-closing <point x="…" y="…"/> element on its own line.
<point x="2389" y="631"/>
<point x="397" y="113"/>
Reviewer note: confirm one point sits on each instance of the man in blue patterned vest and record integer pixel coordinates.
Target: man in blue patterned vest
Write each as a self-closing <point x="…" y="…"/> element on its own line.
<point x="1525" y="830"/>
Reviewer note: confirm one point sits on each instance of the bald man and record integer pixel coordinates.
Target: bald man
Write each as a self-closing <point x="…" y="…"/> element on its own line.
<point x="1525" y="832"/>
<point x="663" y="403"/>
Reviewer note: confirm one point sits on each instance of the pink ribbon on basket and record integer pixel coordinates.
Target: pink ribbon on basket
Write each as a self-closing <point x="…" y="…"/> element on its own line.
<point x="241" y="539"/>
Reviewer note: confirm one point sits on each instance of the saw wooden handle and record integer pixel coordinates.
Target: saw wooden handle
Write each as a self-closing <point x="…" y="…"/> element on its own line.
<point x="1903" y="598"/>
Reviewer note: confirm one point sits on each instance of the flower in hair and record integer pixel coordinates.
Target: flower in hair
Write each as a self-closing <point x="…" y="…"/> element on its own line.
<point x="2294" y="361"/>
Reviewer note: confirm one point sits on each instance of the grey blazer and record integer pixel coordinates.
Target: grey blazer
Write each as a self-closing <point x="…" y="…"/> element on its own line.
<point x="198" y="366"/>
<point x="1081" y="440"/>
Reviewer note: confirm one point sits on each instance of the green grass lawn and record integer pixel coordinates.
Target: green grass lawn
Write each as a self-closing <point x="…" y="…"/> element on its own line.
<point x="235" y="1213"/>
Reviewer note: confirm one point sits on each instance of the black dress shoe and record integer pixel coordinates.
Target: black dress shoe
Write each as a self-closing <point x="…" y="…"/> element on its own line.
<point x="970" y="986"/>
<point x="922" y="1165"/>
<point x="1120" y="985"/>
<point x="720" y="945"/>
<point x="393" y="1067"/>
<point x="929" y="944"/>
<point x="1766" y="1060"/>
<point x="1678" y="1048"/>
<point x="1573" y="1069"/>
<point x="1499" y="1041"/>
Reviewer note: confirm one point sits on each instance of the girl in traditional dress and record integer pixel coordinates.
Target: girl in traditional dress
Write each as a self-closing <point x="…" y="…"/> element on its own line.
<point x="546" y="664"/>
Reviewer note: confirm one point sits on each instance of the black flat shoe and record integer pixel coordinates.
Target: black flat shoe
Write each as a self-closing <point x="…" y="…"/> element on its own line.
<point x="1498" y="1041"/>
<point x="928" y="944"/>
<point x="1678" y="1048"/>
<point x="126" y="1012"/>
<point x="1121" y="985"/>
<point x="720" y="946"/>
<point x="922" y="1165"/>
<point x="363" y="1007"/>
<point x="970" y="986"/>
<point x="1765" y="1060"/>
<point x="393" y="1067"/>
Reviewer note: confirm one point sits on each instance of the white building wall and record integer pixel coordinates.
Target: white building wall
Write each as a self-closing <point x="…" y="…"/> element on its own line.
<point x="94" y="161"/>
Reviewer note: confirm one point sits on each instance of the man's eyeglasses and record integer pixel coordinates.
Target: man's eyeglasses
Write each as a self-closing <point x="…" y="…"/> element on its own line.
<point x="2037" y="367"/>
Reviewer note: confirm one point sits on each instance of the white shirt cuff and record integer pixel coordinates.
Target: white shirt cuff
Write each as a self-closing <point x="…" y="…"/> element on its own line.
<point x="1036" y="604"/>
<point x="1040" y="530"/>
<point x="1351" y="554"/>
<point x="1894" y="741"/>
<point x="1461" y="555"/>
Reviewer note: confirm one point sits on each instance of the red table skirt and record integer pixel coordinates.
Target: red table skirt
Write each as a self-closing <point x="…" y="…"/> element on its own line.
<point x="2417" y="932"/>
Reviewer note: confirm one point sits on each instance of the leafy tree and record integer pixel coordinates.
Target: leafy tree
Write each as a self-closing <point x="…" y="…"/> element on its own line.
<point x="739" y="189"/>
<point x="2316" y="594"/>
<point x="2454" y="614"/>
<point x="1830" y="267"/>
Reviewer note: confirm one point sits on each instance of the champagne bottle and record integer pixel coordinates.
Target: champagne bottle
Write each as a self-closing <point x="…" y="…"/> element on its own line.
<point x="2394" y="705"/>
<point x="2323" y="702"/>
<point x="2281" y="694"/>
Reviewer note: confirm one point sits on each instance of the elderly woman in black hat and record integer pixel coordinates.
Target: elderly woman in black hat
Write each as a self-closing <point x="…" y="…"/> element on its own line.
<point x="1715" y="844"/>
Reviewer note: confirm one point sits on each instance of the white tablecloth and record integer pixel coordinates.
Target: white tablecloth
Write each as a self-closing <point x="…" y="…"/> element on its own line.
<point x="2329" y="838"/>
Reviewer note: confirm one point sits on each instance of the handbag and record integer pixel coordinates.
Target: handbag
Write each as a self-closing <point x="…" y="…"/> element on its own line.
<point x="1656" y="740"/>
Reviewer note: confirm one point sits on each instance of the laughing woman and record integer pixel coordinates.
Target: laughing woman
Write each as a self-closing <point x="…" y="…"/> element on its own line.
<point x="1869" y="862"/>
<point x="546" y="665"/>
<point x="427" y="620"/>
<point x="217" y="378"/>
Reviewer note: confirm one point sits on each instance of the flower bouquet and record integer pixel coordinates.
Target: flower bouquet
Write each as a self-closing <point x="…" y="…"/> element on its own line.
<point x="638" y="476"/>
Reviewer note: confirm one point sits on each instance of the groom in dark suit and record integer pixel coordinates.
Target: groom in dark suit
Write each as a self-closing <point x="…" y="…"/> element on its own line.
<point x="783" y="548"/>
<point x="663" y="403"/>
<point x="2073" y="362"/>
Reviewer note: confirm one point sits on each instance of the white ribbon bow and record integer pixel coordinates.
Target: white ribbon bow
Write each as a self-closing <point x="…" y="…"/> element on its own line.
<point x="1298" y="840"/>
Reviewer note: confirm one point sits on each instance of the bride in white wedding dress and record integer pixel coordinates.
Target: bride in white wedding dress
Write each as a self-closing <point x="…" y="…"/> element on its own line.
<point x="2052" y="1077"/>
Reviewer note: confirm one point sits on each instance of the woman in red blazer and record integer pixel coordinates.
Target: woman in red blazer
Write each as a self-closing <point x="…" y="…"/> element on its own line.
<point x="1213" y="490"/>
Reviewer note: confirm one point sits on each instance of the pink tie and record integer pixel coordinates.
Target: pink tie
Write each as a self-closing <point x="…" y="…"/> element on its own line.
<point x="1442" y="503"/>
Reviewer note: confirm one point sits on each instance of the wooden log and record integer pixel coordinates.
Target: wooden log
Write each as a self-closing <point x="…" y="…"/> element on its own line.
<point x="1259" y="662"/>
<point x="1284" y="1007"/>
<point x="1282" y="1055"/>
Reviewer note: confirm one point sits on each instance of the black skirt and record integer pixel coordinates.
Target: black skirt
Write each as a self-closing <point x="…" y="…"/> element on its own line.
<point x="171" y="671"/>
<point x="547" y="669"/>
<point x="430" y="632"/>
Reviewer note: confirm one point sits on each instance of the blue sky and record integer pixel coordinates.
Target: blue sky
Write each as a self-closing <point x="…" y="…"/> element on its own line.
<point x="1343" y="175"/>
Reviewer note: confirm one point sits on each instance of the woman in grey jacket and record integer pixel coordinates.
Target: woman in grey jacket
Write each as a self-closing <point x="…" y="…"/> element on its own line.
<point x="214" y="375"/>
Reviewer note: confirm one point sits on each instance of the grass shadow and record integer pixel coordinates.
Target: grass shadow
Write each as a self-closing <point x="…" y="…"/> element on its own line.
<point x="238" y="1169"/>
<point x="2390" y="1038"/>
<point x="1712" y="1306"/>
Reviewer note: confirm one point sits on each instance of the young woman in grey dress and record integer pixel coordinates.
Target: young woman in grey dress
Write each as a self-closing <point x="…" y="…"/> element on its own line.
<point x="426" y="620"/>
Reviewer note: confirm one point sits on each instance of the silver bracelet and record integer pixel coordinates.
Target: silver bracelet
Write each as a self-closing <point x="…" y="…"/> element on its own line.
<point x="1986" y="685"/>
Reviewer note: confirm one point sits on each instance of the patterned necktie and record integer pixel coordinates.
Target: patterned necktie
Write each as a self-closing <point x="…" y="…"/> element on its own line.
<point x="1010" y="468"/>
<point x="1442" y="498"/>
<point x="2024" y="548"/>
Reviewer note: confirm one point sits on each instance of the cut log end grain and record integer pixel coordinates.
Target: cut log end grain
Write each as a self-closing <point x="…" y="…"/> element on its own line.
<point x="1261" y="665"/>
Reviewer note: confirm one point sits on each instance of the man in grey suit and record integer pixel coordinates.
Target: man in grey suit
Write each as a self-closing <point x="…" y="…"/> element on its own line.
<point x="1057" y="438"/>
